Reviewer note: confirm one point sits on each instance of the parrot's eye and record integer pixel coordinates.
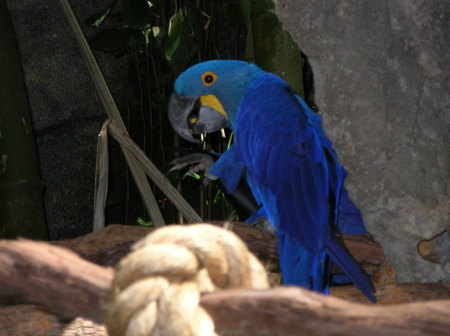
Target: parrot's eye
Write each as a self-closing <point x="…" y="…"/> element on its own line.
<point x="208" y="78"/>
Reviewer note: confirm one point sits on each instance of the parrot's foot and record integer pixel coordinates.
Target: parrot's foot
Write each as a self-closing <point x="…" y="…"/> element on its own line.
<point x="263" y="224"/>
<point x="198" y="161"/>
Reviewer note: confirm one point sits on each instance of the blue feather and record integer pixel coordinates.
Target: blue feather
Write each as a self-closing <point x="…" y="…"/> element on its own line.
<point x="349" y="219"/>
<point x="304" y="211"/>
<point x="229" y="169"/>
<point x="290" y="166"/>
<point x="351" y="269"/>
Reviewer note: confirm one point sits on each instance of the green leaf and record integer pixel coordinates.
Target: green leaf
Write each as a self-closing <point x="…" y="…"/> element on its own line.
<point x="146" y="31"/>
<point x="274" y="49"/>
<point x="246" y="14"/>
<point x="195" y="175"/>
<point x="96" y="20"/>
<point x="230" y="140"/>
<point x="245" y="11"/>
<point x="218" y="196"/>
<point x="142" y="222"/>
<point x="161" y="36"/>
<point x="156" y="31"/>
<point x="109" y="40"/>
<point x="186" y="29"/>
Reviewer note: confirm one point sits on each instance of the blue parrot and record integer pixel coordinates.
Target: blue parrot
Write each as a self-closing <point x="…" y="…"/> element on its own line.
<point x="283" y="154"/>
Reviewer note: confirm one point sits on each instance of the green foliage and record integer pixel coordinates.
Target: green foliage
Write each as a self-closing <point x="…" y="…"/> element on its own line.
<point x="246" y="17"/>
<point x="195" y="176"/>
<point x="160" y="39"/>
<point x="177" y="39"/>
<point x="184" y="39"/>
<point x="269" y="45"/>
<point x="142" y="222"/>
<point x="96" y="20"/>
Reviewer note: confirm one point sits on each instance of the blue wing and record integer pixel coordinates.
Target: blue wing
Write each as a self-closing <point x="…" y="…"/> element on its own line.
<point x="287" y="167"/>
<point x="293" y="172"/>
<point x="350" y="220"/>
<point x="229" y="168"/>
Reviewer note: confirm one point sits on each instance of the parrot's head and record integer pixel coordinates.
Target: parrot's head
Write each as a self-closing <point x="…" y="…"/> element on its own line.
<point x="206" y="96"/>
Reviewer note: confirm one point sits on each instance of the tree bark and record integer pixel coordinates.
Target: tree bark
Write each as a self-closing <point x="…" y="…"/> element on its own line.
<point x="106" y="247"/>
<point x="52" y="276"/>
<point x="295" y="311"/>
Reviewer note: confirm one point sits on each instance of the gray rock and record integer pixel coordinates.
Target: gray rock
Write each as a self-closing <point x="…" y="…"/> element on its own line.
<point x="67" y="114"/>
<point x="381" y="80"/>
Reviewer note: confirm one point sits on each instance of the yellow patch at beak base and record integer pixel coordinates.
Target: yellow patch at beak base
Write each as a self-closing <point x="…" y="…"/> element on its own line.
<point x="212" y="101"/>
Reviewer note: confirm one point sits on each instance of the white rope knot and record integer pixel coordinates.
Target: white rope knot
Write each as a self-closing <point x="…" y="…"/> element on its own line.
<point x="156" y="290"/>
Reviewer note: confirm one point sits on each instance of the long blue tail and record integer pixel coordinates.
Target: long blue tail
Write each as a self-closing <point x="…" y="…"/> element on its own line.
<point x="301" y="267"/>
<point x="349" y="220"/>
<point x="311" y="270"/>
<point x="352" y="269"/>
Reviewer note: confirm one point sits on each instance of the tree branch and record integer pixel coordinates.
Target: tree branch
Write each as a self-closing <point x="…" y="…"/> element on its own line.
<point x="70" y="286"/>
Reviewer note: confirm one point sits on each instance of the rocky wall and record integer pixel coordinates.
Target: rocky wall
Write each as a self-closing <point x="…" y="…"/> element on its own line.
<point x="66" y="111"/>
<point x="381" y="71"/>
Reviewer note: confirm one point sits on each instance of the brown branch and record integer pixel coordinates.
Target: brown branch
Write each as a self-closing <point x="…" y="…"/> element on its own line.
<point x="52" y="276"/>
<point x="294" y="311"/>
<point x="107" y="246"/>
<point x="70" y="286"/>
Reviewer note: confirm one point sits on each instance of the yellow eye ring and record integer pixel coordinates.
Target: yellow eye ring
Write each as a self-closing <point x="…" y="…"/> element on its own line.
<point x="209" y="78"/>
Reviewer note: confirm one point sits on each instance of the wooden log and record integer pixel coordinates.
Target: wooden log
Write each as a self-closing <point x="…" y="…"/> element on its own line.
<point x="396" y="293"/>
<point x="295" y="311"/>
<point x="38" y="272"/>
<point x="70" y="286"/>
<point x="36" y="320"/>
<point x="106" y="247"/>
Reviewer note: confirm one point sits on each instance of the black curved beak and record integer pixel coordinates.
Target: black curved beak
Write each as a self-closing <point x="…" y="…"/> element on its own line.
<point x="188" y="116"/>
